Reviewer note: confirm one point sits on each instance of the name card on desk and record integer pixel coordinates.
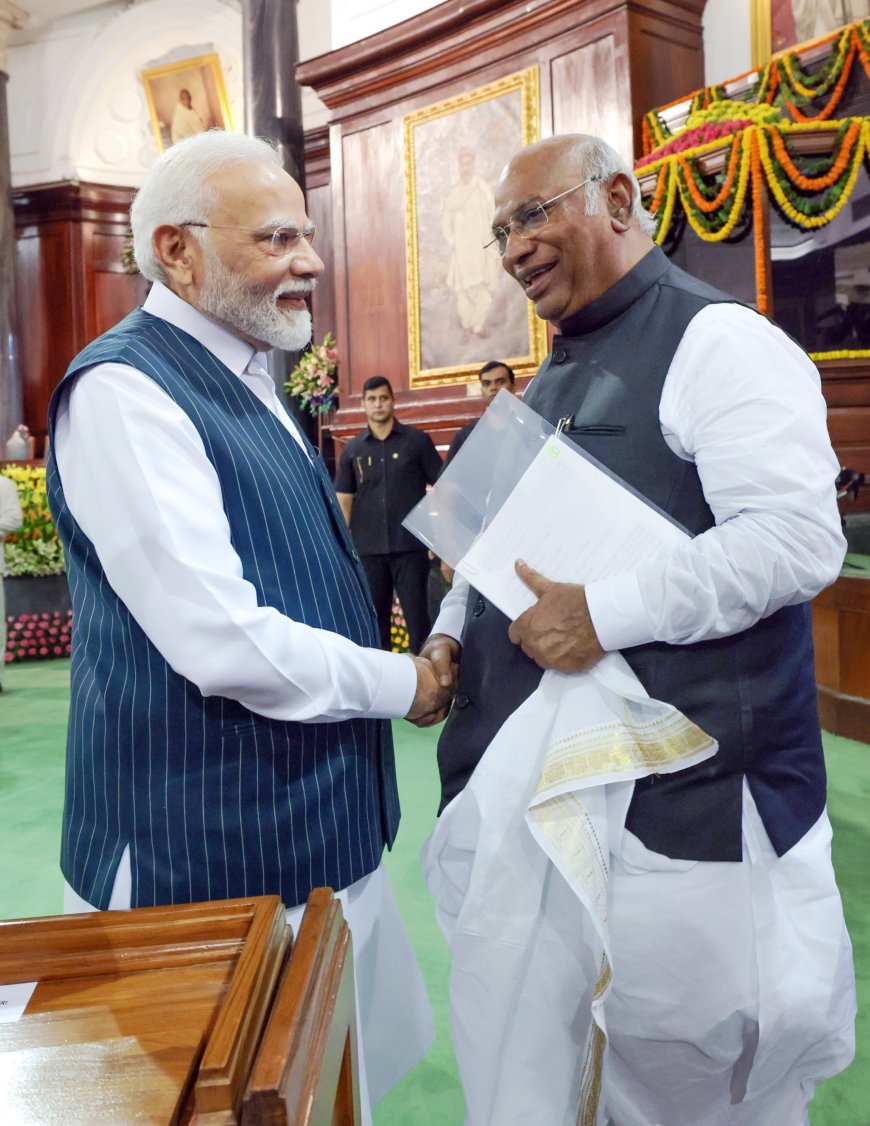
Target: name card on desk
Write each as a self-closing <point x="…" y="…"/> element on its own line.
<point x="13" y="1000"/>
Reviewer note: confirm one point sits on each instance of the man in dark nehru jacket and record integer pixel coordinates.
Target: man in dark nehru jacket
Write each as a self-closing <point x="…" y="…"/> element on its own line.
<point x="732" y="991"/>
<point x="228" y="729"/>
<point x="381" y="475"/>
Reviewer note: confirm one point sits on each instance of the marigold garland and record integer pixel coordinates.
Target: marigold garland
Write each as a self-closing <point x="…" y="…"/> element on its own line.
<point x="816" y="85"/>
<point x="785" y="78"/>
<point x="850" y="134"/>
<point x="705" y="204"/>
<point x="840" y="354"/>
<point x="714" y="212"/>
<point x="762" y="293"/>
<point x="834" y="99"/>
<point x="713" y="231"/>
<point x="818" y="212"/>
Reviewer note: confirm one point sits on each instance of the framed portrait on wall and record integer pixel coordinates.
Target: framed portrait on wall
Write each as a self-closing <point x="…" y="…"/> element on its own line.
<point x="779" y="25"/>
<point x="186" y="97"/>
<point x="463" y="309"/>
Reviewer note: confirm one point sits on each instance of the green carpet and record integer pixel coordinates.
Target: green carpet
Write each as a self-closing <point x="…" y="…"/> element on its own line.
<point x="32" y="729"/>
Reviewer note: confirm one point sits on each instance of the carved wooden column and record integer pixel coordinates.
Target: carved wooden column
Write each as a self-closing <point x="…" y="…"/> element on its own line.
<point x="11" y="16"/>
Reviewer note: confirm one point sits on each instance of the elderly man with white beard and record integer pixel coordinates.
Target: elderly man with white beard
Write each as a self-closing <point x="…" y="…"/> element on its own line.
<point x="229" y="721"/>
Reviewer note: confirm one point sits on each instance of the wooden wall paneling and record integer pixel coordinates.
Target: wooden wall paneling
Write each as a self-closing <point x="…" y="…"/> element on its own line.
<point x="666" y="48"/>
<point x="50" y="323"/>
<point x="319" y="206"/>
<point x="841" y="632"/>
<point x="374" y="205"/>
<point x="318" y="195"/>
<point x="70" y="280"/>
<point x="589" y="94"/>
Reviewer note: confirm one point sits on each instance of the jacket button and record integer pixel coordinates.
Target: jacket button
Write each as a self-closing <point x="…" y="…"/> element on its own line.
<point x="462" y="700"/>
<point x="479" y="607"/>
<point x="559" y="357"/>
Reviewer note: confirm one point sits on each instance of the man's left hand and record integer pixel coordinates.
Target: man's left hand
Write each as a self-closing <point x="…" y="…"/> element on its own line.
<point x="557" y="632"/>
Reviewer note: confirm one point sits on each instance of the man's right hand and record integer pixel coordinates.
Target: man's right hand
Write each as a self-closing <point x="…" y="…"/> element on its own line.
<point x="432" y="698"/>
<point x="444" y="653"/>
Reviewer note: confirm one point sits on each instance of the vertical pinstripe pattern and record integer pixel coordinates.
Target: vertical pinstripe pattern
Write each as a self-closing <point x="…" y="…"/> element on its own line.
<point x="214" y="800"/>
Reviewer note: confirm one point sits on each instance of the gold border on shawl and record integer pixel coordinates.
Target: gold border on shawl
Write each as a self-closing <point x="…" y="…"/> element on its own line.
<point x="613" y="748"/>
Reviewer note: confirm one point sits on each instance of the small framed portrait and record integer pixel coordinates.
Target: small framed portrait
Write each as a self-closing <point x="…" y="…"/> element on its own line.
<point x="462" y="307"/>
<point x="186" y="97"/>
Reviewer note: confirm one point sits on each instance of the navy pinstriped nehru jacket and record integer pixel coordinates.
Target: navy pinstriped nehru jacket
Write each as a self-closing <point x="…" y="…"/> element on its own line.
<point x="214" y="800"/>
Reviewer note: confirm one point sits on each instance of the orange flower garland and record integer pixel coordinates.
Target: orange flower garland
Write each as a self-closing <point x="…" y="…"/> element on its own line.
<point x="783" y="76"/>
<point x="817" y="183"/>
<point x="854" y="156"/>
<point x="834" y="99"/>
<point x="762" y="298"/>
<point x="855" y="146"/>
<point x="711" y="205"/>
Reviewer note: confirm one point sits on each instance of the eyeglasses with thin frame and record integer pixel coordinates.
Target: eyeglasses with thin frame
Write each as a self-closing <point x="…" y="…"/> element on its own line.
<point x="276" y="242"/>
<point x="525" y="223"/>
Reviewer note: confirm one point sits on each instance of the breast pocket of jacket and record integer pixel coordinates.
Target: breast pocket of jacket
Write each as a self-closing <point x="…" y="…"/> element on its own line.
<point x="596" y="430"/>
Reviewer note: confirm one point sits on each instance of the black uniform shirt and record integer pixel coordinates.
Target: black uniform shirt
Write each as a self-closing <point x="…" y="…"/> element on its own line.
<point x="388" y="477"/>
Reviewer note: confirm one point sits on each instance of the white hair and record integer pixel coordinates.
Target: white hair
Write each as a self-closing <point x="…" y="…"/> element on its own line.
<point x="177" y="189"/>
<point x="599" y="161"/>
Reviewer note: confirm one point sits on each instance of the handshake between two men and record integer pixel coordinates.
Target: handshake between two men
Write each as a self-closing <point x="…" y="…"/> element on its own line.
<point x="556" y="633"/>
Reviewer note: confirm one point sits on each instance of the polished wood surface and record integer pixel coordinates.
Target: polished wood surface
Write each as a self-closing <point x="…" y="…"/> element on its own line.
<point x="846" y="387"/>
<point x="307" y="1071"/>
<point x="148" y="1016"/>
<point x="841" y="632"/>
<point x="601" y="62"/>
<point x="71" y="284"/>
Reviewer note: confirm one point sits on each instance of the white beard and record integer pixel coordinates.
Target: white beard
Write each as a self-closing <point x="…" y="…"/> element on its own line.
<point x="252" y="310"/>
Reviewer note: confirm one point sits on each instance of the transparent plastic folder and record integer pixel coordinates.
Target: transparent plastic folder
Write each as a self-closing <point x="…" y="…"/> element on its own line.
<point x="518" y="489"/>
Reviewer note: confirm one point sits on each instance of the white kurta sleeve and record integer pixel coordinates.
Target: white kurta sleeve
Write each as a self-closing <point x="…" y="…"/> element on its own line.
<point x="138" y="482"/>
<point x="451" y="615"/>
<point x="744" y="403"/>
<point x="10" y="508"/>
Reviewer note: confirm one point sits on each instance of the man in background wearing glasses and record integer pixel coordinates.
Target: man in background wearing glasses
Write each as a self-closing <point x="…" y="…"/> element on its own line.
<point x="229" y="722"/>
<point x="732" y="991"/>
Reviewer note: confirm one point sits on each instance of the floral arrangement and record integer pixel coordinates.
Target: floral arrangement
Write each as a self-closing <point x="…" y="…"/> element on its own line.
<point x="34" y="549"/>
<point x="39" y="637"/>
<point x="783" y="81"/>
<point x="399" y="637"/>
<point x="718" y="120"/>
<point x="314" y="380"/>
<point x="759" y="148"/>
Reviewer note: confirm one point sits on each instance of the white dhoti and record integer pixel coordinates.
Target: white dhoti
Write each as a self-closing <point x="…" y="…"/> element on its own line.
<point x="536" y="887"/>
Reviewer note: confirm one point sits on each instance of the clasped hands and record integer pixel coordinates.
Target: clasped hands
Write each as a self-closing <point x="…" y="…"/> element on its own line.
<point x="556" y="633"/>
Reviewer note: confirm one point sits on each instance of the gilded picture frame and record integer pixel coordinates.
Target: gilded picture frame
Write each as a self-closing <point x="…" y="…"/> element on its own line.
<point x="463" y="309"/>
<point x="185" y="97"/>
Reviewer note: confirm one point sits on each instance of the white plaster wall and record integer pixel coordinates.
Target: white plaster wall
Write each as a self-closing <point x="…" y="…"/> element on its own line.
<point x="314" y="20"/>
<point x="727" y="40"/>
<point x="356" y="19"/>
<point x="77" y="106"/>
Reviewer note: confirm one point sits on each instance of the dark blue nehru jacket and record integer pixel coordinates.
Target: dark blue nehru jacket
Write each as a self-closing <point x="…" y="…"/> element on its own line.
<point x="754" y="691"/>
<point x="214" y="800"/>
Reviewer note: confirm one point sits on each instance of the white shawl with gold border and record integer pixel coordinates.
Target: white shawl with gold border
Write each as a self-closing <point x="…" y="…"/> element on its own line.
<point x="518" y="866"/>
